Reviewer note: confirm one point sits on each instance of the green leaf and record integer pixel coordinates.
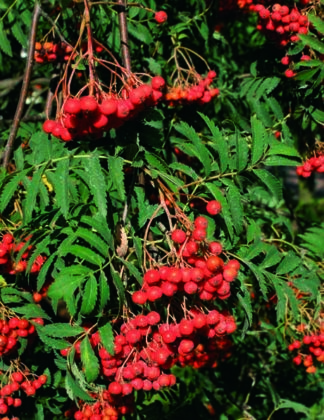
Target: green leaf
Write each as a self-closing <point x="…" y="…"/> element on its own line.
<point x="281" y="161"/>
<point x="65" y="286"/>
<point x="133" y="270"/>
<point x="314" y="241"/>
<point x="155" y="162"/>
<point x="31" y="195"/>
<point x="260" y="278"/>
<point x="19" y="34"/>
<point x="297" y="407"/>
<point x="10" y="188"/>
<point x="200" y="149"/>
<point x="97" y="183"/>
<point x="219" y="142"/>
<point x="74" y="390"/>
<point x="281" y="296"/>
<point x="100" y="225"/>
<point x="271" y="182"/>
<point x="60" y="330"/>
<point x="60" y="185"/>
<point x="235" y="204"/>
<point x="89" y="360"/>
<point x="317" y="22"/>
<point x="32" y="310"/>
<point x="275" y="107"/>
<point x="4" y="41"/>
<point x="119" y="286"/>
<point x="259" y="137"/>
<point x="104" y="291"/>
<point x="85" y="254"/>
<point x="283" y="149"/>
<point x="107" y="337"/>
<point x="52" y="343"/>
<point x="312" y="42"/>
<point x="89" y="297"/>
<point x="273" y="256"/>
<point x="187" y="170"/>
<point x="245" y="301"/>
<point x="116" y="173"/>
<point x="140" y="32"/>
<point x="288" y="264"/>
<point x="93" y="239"/>
<point x="242" y="152"/>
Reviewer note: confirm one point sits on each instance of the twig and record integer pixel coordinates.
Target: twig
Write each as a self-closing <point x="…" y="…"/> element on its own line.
<point x="124" y="34"/>
<point x="24" y="88"/>
<point x="51" y="21"/>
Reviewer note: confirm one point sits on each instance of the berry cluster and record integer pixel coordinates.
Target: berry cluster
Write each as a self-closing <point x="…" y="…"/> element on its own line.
<point x="50" y="52"/>
<point x="10" y="395"/>
<point x="8" y="250"/>
<point x="281" y="24"/>
<point x="198" y="92"/>
<point x="310" y="350"/>
<point x="313" y="164"/>
<point x="203" y="272"/>
<point x="91" y="115"/>
<point x="145" y="349"/>
<point x="10" y="331"/>
<point x="287" y="61"/>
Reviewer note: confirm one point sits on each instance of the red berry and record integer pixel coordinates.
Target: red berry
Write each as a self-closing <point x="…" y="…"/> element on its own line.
<point x="108" y="106"/>
<point x="17" y="376"/>
<point x="161" y="17"/>
<point x="190" y="288"/>
<point x="48" y="126"/>
<point x="115" y="388"/>
<point x="186" y="327"/>
<point x="178" y="236"/>
<point x="72" y="106"/>
<point x="154" y="293"/>
<point x="133" y="336"/>
<point x="88" y="103"/>
<point x="151" y="277"/>
<point x="214" y="263"/>
<point x="199" y="234"/>
<point x="139" y="298"/>
<point x="158" y="83"/>
<point x="201" y="222"/>
<point x="213" y="207"/>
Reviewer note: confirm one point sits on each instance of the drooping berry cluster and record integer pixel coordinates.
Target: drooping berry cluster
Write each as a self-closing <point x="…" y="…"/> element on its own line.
<point x="50" y="52"/>
<point x="8" y="251"/>
<point x="198" y="91"/>
<point x="145" y="349"/>
<point x="310" y="350"/>
<point x="203" y="272"/>
<point x="11" y="387"/>
<point x="90" y="115"/>
<point x="288" y="61"/>
<point x="313" y="164"/>
<point x="281" y="24"/>
<point x="10" y="331"/>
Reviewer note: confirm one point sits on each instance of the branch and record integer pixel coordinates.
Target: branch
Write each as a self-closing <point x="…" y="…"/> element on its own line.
<point x="124" y="34"/>
<point x="24" y="88"/>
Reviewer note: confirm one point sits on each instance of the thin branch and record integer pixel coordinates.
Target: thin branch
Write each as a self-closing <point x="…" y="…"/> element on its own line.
<point x="51" y="21"/>
<point x="24" y="88"/>
<point x="124" y="34"/>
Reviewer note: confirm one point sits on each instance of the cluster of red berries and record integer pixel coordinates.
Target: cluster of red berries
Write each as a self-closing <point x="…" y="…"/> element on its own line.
<point x="160" y="17"/>
<point x="281" y="24"/>
<point x="310" y="350"/>
<point x="50" y="52"/>
<point x="313" y="164"/>
<point x="9" y="399"/>
<point x="8" y="249"/>
<point x="100" y="410"/>
<point x="145" y="349"/>
<point x="204" y="273"/>
<point x="287" y="61"/>
<point x="13" y="328"/>
<point x="89" y="115"/>
<point x="198" y="92"/>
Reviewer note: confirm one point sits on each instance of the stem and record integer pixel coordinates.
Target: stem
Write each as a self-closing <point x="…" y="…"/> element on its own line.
<point x="90" y="46"/>
<point x="124" y="34"/>
<point x="24" y="88"/>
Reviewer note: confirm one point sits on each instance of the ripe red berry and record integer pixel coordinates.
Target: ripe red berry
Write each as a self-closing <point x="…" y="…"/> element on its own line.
<point x="108" y="106"/>
<point x="186" y="346"/>
<point x="139" y="298"/>
<point x="158" y="83"/>
<point x="215" y="248"/>
<point x="115" y="388"/>
<point x="190" y="288"/>
<point x="161" y="17"/>
<point x="201" y="222"/>
<point x="48" y="126"/>
<point x="199" y="234"/>
<point x="186" y="327"/>
<point x="151" y="277"/>
<point x="153" y="318"/>
<point x="17" y="376"/>
<point x="72" y="106"/>
<point x="290" y="73"/>
<point x="214" y="263"/>
<point x="213" y="207"/>
<point x="154" y="293"/>
<point x="178" y="236"/>
<point x="88" y="103"/>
